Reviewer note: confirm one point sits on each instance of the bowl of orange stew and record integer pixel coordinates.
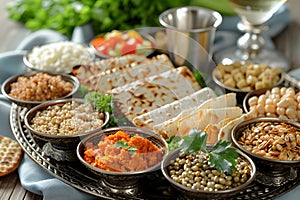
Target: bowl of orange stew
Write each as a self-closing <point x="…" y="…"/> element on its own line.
<point x="121" y="156"/>
<point x="118" y="43"/>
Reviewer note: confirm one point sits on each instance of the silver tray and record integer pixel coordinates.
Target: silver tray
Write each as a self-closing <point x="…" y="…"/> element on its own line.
<point x="152" y="187"/>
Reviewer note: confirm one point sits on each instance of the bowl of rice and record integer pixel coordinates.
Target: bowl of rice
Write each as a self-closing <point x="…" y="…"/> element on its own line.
<point x="58" y="57"/>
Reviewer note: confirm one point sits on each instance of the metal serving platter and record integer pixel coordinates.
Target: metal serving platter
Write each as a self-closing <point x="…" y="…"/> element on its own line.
<point x="153" y="186"/>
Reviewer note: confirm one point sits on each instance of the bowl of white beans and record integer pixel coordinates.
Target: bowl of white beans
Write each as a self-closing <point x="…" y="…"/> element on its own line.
<point x="58" y="57"/>
<point x="243" y="78"/>
<point x="273" y="144"/>
<point x="278" y="101"/>
<point x="63" y="123"/>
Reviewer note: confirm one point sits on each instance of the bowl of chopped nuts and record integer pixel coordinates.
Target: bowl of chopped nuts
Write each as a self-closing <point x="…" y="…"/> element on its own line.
<point x="273" y="144"/>
<point x="61" y="124"/>
<point x="32" y="88"/>
<point x="243" y="78"/>
<point x="120" y="156"/>
<point x="205" y="174"/>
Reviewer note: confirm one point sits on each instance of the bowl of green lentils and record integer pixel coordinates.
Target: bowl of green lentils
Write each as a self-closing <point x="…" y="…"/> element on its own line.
<point x="192" y="175"/>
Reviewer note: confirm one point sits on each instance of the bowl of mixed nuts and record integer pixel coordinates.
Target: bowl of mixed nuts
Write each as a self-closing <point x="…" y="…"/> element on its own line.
<point x="273" y="144"/>
<point x="208" y="173"/>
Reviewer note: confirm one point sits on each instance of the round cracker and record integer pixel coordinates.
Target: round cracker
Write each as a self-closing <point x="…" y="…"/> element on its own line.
<point x="10" y="155"/>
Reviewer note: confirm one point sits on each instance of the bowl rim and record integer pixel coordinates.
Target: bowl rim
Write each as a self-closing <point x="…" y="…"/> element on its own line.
<point x="66" y="77"/>
<point x="115" y="129"/>
<point x="220" y="84"/>
<point x="237" y="128"/>
<point x="143" y="33"/>
<point x="34" y="109"/>
<point x="253" y="175"/>
<point x="30" y="66"/>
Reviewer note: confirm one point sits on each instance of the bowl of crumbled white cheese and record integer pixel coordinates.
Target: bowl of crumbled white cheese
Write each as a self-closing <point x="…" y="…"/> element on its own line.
<point x="58" y="57"/>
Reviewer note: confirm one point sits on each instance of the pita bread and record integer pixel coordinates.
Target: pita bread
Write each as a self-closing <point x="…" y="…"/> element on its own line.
<point x="142" y="96"/>
<point x="225" y="131"/>
<point x="171" y="110"/>
<point x="84" y="72"/>
<point x="198" y="119"/>
<point x="109" y="80"/>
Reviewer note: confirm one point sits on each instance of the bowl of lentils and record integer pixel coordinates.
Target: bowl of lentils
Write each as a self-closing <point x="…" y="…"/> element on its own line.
<point x="273" y="144"/>
<point x="63" y="123"/>
<point x="32" y="88"/>
<point x="193" y="175"/>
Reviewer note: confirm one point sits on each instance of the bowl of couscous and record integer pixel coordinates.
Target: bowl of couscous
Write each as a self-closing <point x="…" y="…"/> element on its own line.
<point x="32" y="88"/>
<point x="122" y="155"/>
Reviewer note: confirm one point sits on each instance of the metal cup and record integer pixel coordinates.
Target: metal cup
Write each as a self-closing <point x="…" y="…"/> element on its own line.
<point x="190" y="32"/>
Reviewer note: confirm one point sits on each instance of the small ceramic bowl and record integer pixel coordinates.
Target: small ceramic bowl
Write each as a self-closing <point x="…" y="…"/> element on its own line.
<point x="190" y="193"/>
<point x="272" y="155"/>
<point x="144" y="50"/>
<point x="125" y="181"/>
<point x="6" y="87"/>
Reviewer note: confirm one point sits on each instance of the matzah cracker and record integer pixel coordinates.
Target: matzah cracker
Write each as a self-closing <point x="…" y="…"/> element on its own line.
<point x="10" y="155"/>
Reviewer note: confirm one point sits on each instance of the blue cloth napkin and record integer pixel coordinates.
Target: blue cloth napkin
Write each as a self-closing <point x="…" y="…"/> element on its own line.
<point x="37" y="180"/>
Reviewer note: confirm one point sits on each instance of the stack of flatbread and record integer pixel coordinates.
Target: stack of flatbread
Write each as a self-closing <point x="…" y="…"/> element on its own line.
<point x="153" y="94"/>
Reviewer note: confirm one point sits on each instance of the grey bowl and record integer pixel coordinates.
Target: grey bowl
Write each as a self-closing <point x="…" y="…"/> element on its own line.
<point x="59" y="141"/>
<point x="201" y="194"/>
<point x="6" y="87"/>
<point x="121" y="182"/>
<point x="273" y="171"/>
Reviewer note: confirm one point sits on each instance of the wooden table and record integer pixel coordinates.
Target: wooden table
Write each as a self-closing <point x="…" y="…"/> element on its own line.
<point x="11" y="33"/>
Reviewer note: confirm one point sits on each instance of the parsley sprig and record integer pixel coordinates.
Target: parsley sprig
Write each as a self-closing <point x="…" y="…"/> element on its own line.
<point x="222" y="156"/>
<point x="125" y="145"/>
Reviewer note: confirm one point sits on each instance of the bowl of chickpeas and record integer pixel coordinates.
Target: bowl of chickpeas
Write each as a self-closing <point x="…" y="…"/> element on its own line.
<point x="63" y="123"/>
<point x="192" y="175"/>
<point x="273" y="144"/>
<point x="242" y="78"/>
<point x="278" y="101"/>
<point x="32" y="88"/>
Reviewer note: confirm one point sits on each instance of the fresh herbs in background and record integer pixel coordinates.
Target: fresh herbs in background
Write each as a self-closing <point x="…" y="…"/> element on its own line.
<point x="105" y="15"/>
<point x="101" y="103"/>
<point x="125" y="145"/>
<point x="222" y="156"/>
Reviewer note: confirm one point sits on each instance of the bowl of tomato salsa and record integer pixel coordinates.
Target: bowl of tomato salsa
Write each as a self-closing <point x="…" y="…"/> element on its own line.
<point x="117" y="43"/>
<point x="121" y="156"/>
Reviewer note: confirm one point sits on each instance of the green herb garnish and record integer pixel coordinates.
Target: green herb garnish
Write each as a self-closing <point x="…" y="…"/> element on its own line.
<point x="222" y="156"/>
<point x="125" y="145"/>
<point x="101" y="103"/>
<point x="173" y="142"/>
<point x="198" y="76"/>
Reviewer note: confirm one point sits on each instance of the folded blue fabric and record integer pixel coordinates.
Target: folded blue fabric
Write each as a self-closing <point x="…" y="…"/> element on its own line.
<point x="37" y="180"/>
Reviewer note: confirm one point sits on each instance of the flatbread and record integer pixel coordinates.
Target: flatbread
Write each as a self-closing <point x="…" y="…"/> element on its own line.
<point x="225" y="131"/>
<point x="142" y="96"/>
<point x="198" y="119"/>
<point x="109" y="80"/>
<point x="173" y="109"/>
<point x="86" y="71"/>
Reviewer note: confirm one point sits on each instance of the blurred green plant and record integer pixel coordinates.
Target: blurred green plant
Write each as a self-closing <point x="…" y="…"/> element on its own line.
<point x="104" y="15"/>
